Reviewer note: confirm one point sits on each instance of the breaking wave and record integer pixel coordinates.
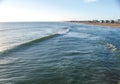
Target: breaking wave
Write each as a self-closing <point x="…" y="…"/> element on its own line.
<point x="57" y="33"/>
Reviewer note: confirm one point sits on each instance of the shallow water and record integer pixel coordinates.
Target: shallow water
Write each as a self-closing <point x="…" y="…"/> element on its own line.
<point x="45" y="53"/>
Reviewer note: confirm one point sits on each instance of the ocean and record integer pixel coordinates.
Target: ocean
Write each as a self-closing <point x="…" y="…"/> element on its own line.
<point x="58" y="53"/>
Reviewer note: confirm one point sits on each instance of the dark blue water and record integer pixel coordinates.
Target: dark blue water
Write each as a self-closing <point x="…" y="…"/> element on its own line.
<point x="59" y="53"/>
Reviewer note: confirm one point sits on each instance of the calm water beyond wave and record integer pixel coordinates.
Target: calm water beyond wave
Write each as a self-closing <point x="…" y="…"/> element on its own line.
<point x="59" y="53"/>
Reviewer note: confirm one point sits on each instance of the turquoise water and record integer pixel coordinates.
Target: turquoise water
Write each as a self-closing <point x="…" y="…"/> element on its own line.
<point x="58" y="53"/>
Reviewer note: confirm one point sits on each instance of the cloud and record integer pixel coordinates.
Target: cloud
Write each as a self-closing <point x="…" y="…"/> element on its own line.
<point x="90" y="1"/>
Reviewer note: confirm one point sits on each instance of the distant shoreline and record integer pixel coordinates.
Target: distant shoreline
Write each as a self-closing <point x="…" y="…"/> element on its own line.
<point x="115" y="25"/>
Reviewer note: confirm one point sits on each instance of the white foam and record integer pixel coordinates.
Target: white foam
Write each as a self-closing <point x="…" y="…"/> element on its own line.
<point x="77" y="35"/>
<point x="111" y="46"/>
<point x="63" y="31"/>
<point x="7" y="60"/>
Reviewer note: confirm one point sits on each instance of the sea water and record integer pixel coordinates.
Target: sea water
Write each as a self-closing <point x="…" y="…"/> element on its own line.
<point x="58" y="53"/>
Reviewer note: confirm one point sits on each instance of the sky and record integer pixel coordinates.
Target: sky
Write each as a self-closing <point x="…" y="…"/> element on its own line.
<point x="58" y="10"/>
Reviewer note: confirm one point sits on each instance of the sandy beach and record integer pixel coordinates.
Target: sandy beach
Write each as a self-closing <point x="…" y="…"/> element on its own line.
<point x="115" y="25"/>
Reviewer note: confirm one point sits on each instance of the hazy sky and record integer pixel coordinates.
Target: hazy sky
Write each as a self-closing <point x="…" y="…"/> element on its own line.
<point x="58" y="10"/>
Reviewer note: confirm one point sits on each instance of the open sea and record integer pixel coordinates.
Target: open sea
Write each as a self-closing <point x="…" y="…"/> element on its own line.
<point x="59" y="53"/>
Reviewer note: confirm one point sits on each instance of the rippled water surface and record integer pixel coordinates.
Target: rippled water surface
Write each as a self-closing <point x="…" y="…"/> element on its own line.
<point x="59" y="53"/>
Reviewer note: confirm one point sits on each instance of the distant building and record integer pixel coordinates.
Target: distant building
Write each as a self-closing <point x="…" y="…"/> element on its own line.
<point x="89" y="21"/>
<point x="96" y="21"/>
<point x="118" y="20"/>
<point x="107" y="21"/>
<point x="112" y="21"/>
<point x="102" y="21"/>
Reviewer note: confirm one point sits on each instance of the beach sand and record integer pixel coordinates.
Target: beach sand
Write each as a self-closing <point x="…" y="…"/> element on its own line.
<point x="115" y="25"/>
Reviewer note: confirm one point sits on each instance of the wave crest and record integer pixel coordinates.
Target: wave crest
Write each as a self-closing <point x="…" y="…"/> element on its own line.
<point x="57" y="33"/>
<point x="111" y="47"/>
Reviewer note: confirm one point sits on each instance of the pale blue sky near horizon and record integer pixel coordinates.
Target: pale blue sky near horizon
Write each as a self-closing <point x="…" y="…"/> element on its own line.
<point x="58" y="10"/>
